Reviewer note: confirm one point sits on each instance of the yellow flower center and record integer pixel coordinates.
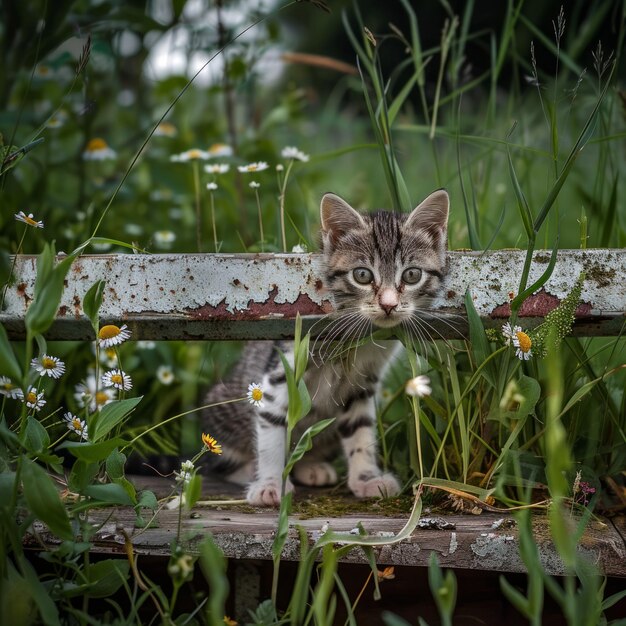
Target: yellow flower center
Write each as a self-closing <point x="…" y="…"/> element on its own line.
<point x="110" y="353"/>
<point x="109" y="331"/>
<point x="96" y="144"/>
<point x="252" y="167"/>
<point x="30" y="221"/>
<point x="117" y="379"/>
<point x="102" y="397"/>
<point x="31" y="397"/>
<point x="257" y="394"/>
<point x="216" y="147"/>
<point x="194" y="154"/>
<point x="525" y="342"/>
<point x="8" y="386"/>
<point x="76" y="424"/>
<point x="48" y="363"/>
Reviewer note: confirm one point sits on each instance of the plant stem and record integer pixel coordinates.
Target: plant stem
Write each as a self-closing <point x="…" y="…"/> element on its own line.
<point x="196" y="187"/>
<point x="258" y="205"/>
<point x="282" y="205"/>
<point x="213" y="222"/>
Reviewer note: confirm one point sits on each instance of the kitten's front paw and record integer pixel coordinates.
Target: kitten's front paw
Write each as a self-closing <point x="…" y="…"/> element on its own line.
<point x="314" y="473"/>
<point x="370" y="486"/>
<point x="266" y="492"/>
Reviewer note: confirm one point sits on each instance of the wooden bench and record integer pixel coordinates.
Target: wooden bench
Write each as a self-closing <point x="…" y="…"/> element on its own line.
<point x="245" y="296"/>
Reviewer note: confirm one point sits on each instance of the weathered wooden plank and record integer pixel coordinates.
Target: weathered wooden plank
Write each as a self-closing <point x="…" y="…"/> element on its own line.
<point x="479" y="542"/>
<point x="227" y="296"/>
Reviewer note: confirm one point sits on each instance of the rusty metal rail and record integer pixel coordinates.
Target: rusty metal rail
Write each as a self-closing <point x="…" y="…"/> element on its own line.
<point x="244" y="296"/>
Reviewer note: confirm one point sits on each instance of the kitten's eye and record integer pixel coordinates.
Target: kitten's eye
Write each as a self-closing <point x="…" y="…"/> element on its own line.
<point x="363" y="276"/>
<point x="411" y="275"/>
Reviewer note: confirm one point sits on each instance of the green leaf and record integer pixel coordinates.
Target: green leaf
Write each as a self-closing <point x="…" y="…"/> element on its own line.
<point x="9" y="365"/>
<point x="213" y="565"/>
<point x="111" y="415"/>
<point x="47" y="292"/>
<point x="109" y="494"/>
<point x="36" y="436"/>
<point x="147" y="500"/>
<point x="92" y="452"/>
<point x="282" y="528"/>
<point x="43" y="500"/>
<point x="193" y="491"/>
<point x="82" y="474"/>
<point x="305" y="443"/>
<point x="35" y="592"/>
<point x="106" y="577"/>
<point x="115" y="464"/>
<point x="92" y="302"/>
<point x="443" y="589"/>
<point x="479" y="343"/>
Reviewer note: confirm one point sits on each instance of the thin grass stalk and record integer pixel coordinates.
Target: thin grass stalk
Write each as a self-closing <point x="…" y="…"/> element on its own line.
<point x="446" y="38"/>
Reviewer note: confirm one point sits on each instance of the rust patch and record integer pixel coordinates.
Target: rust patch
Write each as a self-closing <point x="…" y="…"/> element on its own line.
<point x="260" y="310"/>
<point x="538" y="305"/>
<point x="451" y="294"/>
<point x="236" y="282"/>
<point x="62" y="312"/>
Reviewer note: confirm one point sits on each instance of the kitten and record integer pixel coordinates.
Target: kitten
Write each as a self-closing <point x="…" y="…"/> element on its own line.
<point x="380" y="269"/>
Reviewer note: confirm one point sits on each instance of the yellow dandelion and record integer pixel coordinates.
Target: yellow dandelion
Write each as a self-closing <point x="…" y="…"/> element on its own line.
<point x="211" y="444"/>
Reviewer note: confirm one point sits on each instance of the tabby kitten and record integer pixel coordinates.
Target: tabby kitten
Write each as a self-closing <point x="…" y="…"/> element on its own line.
<point x="380" y="269"/>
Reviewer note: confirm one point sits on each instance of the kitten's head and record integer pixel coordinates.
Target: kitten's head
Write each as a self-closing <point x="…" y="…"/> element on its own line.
<point x="384" y="265"/>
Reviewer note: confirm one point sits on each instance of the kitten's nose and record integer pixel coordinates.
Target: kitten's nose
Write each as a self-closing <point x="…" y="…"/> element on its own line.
<point x="388" y="300"/>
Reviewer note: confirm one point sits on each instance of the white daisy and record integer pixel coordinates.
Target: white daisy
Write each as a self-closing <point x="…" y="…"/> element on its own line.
<point x="291" y="152"/>
<point x="520" y="340"/>
<point x="255" y="394"/>
<point x="217" y="168"/>
<point x="76" y="425"/>
<point x="112" y="335"/>
<point x="33" y="399"/>
<point x="165" y="129"/>
<point x="165" y="374"/>
<point x="8" y="389"/>
<point x="220" y="150"/>
<point x="254" y="185"/>
<point x="418" y="387"/>
<point x="195" y="154"/>
<point x="48" y="366"/>
<point x="118" y="379"/>
<point x="211" y="186"/>
<point x="299" y="249"/>
<point x="87" y="394"/>
<point x="510" y="332"/>
<point x="97" y="149"/>
<point x="28" y="219"/>
<point x="259" y="166"/>
<point x="164" y="238"/>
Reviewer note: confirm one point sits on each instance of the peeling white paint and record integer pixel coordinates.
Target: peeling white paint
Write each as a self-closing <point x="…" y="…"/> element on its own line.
<point x="178" y="284"/>
<point x="453" y="543"/>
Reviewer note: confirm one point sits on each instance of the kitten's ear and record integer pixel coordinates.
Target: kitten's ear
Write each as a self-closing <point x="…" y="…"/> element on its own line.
<point x="431" y="214"/>
<point x="338" y="217"/>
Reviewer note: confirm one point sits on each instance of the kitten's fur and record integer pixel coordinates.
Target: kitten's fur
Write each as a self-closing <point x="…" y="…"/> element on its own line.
<point x="381" y="246"/>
